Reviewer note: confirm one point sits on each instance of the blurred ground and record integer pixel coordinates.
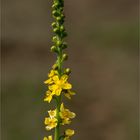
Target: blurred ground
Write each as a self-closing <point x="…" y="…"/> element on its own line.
<point x="103" y="56"/>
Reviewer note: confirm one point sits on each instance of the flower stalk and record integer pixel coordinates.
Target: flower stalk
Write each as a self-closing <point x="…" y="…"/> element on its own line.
<point x="57" y="82"/>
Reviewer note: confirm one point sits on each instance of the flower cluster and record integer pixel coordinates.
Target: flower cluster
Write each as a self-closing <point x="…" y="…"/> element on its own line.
<point x="58" y="86"/>
<point x="58" y="79"/>
<point x="65" y="115"/>
<point x="65" y="118"/>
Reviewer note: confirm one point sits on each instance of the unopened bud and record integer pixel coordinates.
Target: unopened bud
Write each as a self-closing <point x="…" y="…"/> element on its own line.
<point x="58" y="43"/>
<point x="67" y="71"/>
<point x="55" y="5"/>
<point x="58" y="18"/>
<point x="54" y="39"/>
<point x="56" y="30"/>
<point x="54" y="49"/>
<point x="55" y="13"/>
<point x="53" y="24"/>
<point x="65" y="56"/>
<point x="62" y="28"/>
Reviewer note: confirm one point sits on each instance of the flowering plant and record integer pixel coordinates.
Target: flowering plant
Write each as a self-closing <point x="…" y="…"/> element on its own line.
<point x="57" y="82"/>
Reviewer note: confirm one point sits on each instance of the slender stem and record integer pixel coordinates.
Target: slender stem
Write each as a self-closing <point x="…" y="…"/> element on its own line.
<point x="58" y="101"/>
<point x="57" y="129"/>
<point x="59" y="9"/>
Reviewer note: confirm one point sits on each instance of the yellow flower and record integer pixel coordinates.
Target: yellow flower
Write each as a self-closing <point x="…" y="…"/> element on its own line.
<point x="52" y="113"/>
<point x="49" y="138"/>
<point x="52" y="73"/>
<point x="69" y="93"/>
<point x="49" y="96"/>
<point x="66" y="121"/>
<point x="60" y="84"/>
<point x="49" y="81"/>
<point x="66" y="115"/>
<point x="51" y="123"/>
<point x="69" y="132"/>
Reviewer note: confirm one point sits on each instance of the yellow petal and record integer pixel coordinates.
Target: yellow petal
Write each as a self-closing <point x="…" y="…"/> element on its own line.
<point x="58" y="91"/>
<point x="52" y="113"/>
<point x="69" y="132"/>
<point x="45" y="138"/>
<point x="49" y="96"/>
<point x="48" y="99"/>
<point x="52" y="73"/>
<point x="47" y="120"/>
<point x="55" y="78"/>
<point x="53" y="87"/>
<point x="72" y="115"/>
<point x="50" y="138"/>
<point x="67" y="86"/>
<point x="49" y="81"/>
<point x="66" y="121"/>
<point x="64" y="78"/>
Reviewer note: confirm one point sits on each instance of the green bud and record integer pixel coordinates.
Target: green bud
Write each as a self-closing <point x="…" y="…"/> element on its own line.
<point x="58" y="18"/>
<point x="53" y="49"/>
<point x="54" y="39"/>
<point x="56" y="30"/>
<point x="58" y="43"/>
<point x="53" y="24"/>
<point x="62" y="28"/>
<point x="55" y="5"/>
<point x="67" y="71"/>
<point x="55" y="13"/>
<point x="65" y="56"/>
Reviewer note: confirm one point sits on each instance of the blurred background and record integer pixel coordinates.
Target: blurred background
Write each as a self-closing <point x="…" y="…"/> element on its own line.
<point x="103" y="56"/>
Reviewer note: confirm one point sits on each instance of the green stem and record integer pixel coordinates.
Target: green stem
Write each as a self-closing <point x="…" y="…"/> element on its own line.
<point x="58" y="101"/>
<point x="57" y="129"/>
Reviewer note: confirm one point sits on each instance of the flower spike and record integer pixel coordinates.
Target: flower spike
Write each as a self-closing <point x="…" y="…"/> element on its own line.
<point x="57" y="83"/>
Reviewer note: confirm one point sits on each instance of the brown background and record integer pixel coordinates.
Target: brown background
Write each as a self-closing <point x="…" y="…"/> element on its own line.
<point x="103" y="56"/>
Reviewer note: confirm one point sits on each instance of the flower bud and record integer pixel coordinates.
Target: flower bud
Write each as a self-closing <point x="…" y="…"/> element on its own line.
<point x="55" y="13"/>
<point x="56" y="30"/>
<point x="62" y="28"/>
<point x="53" y="24"/>
<point x="58" y="18"/>
<point x="54" y="39"/>
<point x="55" y="5"/>
<point x="58" y="43"/>
<point x="53" y="49"/>
<point x="67" y="71"/>
<point x="65" y="56"/>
